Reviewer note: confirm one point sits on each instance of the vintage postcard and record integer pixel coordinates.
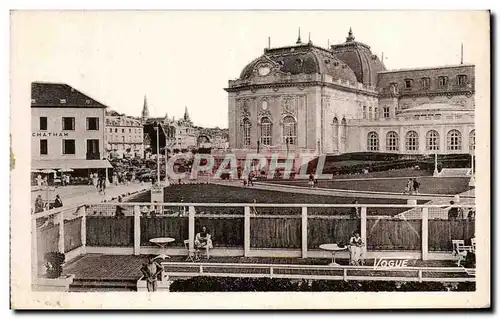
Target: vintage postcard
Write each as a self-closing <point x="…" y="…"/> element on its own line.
<point x="250" y="159"/>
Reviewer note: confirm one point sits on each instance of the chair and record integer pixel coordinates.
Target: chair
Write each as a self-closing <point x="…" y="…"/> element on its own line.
<point x="459" y="250"/>
<point x="193" y="254"/>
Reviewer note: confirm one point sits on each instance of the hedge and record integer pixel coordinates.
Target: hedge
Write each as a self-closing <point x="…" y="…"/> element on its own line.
<point x="205" y="284"/>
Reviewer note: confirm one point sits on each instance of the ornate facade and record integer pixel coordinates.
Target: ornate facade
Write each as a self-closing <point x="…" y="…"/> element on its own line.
<point x="307" y="99"/>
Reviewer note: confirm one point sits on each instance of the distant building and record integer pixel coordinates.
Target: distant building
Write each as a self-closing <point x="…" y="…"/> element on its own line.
<point x="67" y="128"/>
<point x="306" y="99"/>
<point x="124" y="136"/>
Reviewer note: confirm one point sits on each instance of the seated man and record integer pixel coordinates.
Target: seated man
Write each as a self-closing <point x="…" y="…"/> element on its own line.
<point x="203" y="240"/>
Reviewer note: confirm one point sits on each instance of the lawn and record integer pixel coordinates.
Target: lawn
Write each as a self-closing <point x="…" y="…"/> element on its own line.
<point x="428" y="185"/>
<point x="211" y="193"/>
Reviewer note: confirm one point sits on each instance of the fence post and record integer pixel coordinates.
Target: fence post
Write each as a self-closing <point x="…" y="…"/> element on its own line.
<point x="34" y="250"/>
<point x="304" y="232"/>
<point x="246" y="232"/>
<point x="191" y="227"/>
<point x="137" y="230"/>
<point x="83" y="230"/>
<point x="60" y="217"/>
<point x="363" y="229"/>
<point x="425" y="233"/>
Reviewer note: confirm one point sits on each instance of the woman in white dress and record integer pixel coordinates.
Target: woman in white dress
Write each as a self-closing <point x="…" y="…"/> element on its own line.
<point x="356" y="249"/>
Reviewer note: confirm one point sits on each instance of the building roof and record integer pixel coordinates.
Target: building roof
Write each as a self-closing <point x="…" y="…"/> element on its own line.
<point x="301" y="59"/>
<point x="45" y="94"/>
<point x="360" y="59"/>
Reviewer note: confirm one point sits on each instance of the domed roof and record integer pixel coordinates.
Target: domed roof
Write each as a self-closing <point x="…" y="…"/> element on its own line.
<point x="360" y="59"/>
<point x="302" y="59"/>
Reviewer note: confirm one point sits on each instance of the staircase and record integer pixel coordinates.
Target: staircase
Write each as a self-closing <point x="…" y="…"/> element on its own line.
<point x="91" y="285"/>
<point x="451" y="172"/>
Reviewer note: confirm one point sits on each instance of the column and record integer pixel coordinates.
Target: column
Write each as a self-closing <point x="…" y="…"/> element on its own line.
<point x="425" y="233"/>
<point x="442" y="140"/>
<point x="191" y="227"/>
<point x="83" y="230"/>
<point x="363" y="228"/>
<point x="465" y="139"/>
<point x="34" y="250"/>
<point x="60" y="217"/>
<point x="402" y="139"/>
<point x="137" y="230"/>
<point x="381" y="139"/>
<point x="304" y="232"/>
<point x="246" y="232"/>
<point x="421" y="139"/>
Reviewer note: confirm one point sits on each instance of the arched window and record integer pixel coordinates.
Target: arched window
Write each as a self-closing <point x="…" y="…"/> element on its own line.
<point x="411" y="141"/>
<point x="266" y="129"/>
<point x="392" y="141"/>
<point x="289" y="131"/>
<point x="472" y="140"/>
<point x="246" y="131"/>
<point x="335" y="134"/>
<point x="454" y="140"/>
<point x="432" y="141"/>
<point x="372" y="141"/>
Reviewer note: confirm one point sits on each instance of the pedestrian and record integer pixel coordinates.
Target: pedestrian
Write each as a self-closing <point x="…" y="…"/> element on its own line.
<point x="315" y="182"/>
<point x="39" y="204"/>
<point x="311" y="180"/>
<point x="409" y="186"/>
<point x="103" y="185"/>
<point x="453" y="211"/>
<point x="471" y="215"/>
<point x="58" y="202"/>
<point x="355" y="210"/>
<point x="250" y="179"/>
<point x="416" y="185"/>
<point x="119" y="209"/>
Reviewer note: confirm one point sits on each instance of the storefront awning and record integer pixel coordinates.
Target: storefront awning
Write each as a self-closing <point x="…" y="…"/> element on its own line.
<point x="70" y="163"/>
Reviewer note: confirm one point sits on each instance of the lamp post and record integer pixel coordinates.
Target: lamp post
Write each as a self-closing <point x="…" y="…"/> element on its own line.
<point x="472" y="182"/>
<point x="157" y="153"/>
<point x="436" y="173"/>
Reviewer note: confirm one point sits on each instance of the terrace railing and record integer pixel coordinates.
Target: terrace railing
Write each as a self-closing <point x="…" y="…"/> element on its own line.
<point x="250" y="230"/>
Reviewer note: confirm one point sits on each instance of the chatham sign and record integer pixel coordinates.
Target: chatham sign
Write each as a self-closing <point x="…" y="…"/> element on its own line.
<point x="45" y="134"/>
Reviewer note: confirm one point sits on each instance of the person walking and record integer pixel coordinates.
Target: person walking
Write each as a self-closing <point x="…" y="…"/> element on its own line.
<point x="311" y="180"/>
<point x="416" y="185"/>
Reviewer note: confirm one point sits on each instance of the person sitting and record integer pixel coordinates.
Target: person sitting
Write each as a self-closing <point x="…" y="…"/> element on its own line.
<point x="203" y="239"/>
<point x="356" y="250"/>
<point x="119" y="209"/>
<point x="58" y="202"/>
<point x="39" y="205"/>
<point x="453" y="211"/>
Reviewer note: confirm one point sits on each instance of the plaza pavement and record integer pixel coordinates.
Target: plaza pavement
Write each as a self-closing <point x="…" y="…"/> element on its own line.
<point x="86" y="194"/>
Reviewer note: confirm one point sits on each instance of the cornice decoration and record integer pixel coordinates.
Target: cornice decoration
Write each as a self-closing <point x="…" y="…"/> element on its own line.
<point x="430" y="95"/>
<point x="276" y="86"/>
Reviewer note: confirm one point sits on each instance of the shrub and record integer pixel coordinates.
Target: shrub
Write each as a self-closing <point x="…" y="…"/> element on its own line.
<point x="53" y="264"/>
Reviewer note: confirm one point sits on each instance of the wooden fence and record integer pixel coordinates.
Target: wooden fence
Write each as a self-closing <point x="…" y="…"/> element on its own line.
<point x="110" y="231"/>
<point x="394" y="234"/>
<point x="442" y="232"/>
<point x="72" y="234"/>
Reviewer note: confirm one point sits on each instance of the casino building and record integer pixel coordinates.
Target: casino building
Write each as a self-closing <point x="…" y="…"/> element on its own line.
<point x="67" y="129"/>
<point x="306" y="99"/>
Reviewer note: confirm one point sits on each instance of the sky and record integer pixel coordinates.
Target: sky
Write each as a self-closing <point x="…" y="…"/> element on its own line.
<point x="185" y="58"/>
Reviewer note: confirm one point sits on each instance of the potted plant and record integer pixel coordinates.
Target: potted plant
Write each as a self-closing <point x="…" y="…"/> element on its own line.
<point x="53" y="264"/>
<point x="54" y="280"/>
